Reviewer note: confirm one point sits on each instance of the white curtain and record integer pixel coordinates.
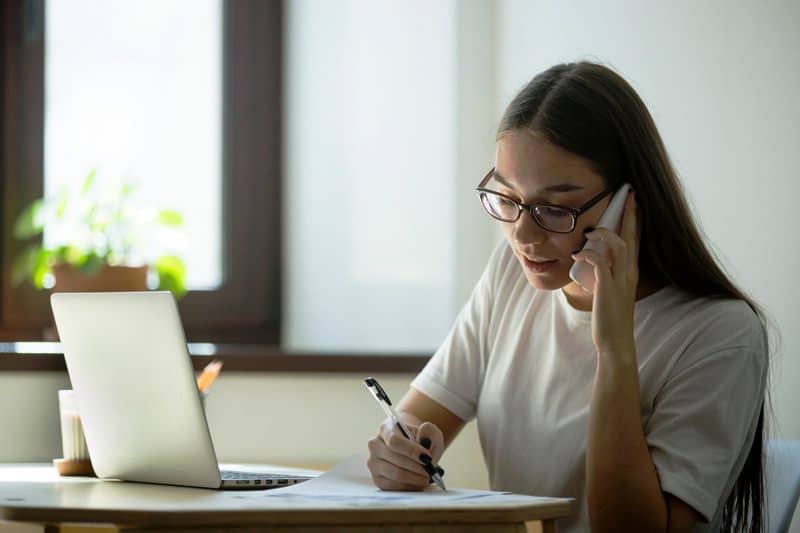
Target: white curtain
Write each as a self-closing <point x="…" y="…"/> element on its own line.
<point x="373" y="175"/>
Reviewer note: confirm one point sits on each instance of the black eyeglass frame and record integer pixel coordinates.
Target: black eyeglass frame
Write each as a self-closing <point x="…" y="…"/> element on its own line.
<point x="575" y="212"/>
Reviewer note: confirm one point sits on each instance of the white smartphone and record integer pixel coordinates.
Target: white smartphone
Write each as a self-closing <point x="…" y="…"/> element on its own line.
<point x="582" y="272"/>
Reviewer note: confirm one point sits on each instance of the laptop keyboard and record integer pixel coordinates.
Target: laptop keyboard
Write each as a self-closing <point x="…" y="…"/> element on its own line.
<point x="232" y="475"/>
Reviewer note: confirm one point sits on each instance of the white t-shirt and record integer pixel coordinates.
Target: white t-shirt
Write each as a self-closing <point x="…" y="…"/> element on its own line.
<point x="522" y="361"/>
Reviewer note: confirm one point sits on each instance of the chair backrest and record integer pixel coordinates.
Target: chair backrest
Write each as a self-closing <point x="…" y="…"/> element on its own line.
<point x="783" y="483"/>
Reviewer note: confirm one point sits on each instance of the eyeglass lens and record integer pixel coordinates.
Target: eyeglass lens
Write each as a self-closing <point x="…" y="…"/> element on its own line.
<point x="549" y="217"/>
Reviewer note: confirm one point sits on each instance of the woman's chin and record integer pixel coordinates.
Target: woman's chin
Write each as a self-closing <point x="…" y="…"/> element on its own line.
<point x="547" y="282"/>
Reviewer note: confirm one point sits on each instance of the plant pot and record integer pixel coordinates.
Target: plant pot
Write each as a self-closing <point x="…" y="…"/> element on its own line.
<point x="108" y="278"/>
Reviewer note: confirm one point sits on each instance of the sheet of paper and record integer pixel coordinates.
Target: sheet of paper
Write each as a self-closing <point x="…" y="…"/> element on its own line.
<point x="349" y="483"/>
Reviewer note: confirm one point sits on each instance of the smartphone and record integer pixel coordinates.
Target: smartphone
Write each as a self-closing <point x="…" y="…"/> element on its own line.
<point x="582" y="272"/>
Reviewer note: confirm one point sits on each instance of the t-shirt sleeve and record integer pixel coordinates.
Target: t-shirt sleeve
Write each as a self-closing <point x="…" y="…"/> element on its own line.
<point x="704" y="417"/>
<point x="453" y="376"/>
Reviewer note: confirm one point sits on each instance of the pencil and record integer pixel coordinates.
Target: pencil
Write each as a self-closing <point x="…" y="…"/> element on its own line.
<point x="208" y="375"/>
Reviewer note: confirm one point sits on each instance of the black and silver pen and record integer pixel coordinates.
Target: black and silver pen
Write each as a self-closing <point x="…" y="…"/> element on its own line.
<point x="383" y="400"/>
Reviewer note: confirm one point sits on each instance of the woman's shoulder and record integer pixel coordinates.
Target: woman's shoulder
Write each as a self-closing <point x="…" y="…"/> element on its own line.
<point x="723" y="309"/>
<point x="710" y="320"/>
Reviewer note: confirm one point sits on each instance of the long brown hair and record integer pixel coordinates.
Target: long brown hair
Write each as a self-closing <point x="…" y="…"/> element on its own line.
<point x="591" y="111"/>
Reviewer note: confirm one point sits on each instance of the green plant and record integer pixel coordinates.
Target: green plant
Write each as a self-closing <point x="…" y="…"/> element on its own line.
<point x="93" y="226"/>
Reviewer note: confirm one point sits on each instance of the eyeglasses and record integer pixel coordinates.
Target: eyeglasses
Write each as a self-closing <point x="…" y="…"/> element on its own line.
<point x="554" y="218"/>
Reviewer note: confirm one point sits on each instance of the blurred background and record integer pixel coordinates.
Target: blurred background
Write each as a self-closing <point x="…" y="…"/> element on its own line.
<point x="323" y="155"/>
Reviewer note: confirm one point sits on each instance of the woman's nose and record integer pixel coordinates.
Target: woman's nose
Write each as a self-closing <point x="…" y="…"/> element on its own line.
<point x="527" y="231"/>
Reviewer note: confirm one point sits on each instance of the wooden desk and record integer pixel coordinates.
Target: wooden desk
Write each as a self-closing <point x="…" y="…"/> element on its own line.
<point x="34" y="493"/>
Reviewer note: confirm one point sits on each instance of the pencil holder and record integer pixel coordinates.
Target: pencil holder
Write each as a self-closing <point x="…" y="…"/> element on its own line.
<point x="75" y="461"/>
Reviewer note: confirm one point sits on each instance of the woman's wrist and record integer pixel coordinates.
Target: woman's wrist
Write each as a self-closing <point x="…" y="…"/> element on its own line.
<point x="617" y="362"/>
<point x="622" y="352"/>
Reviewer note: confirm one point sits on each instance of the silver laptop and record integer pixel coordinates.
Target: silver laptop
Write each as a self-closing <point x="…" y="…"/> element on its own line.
<point x="142" y="415"/>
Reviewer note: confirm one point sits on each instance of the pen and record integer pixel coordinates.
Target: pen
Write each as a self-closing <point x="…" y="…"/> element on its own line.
<point x="208" y="375"/>
<point x="435" y="472"/>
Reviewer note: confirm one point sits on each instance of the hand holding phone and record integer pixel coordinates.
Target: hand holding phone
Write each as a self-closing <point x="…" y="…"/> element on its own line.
<point x="582" y="272"/>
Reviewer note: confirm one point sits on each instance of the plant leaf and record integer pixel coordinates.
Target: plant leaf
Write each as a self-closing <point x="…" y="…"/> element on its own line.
<point x="127" y="189"/>
<point x="62" y="203"/>
<point x="43" y="261"/>
<point x="88" y="182"/>
<point x="169" y="217"/>
<point x="91" y="264"/>
<point x="75" y="256"/>
<point x="29" y="222"/>
<point x="61" y="254"/>
<point x="25" y="264"/>
<point x="171" y="275"/>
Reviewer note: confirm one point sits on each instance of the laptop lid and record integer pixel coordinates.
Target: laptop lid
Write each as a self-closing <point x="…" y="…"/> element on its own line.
<point x="128" y="363"/>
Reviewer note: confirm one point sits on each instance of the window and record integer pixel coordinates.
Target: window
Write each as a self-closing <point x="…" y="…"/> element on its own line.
<point x="385" y="128"/>
<point x="236" y="296"/>
<point x="371" y="175"/>
<point x="140" y="99"/>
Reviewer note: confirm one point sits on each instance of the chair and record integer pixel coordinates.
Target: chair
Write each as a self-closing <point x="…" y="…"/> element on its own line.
<point x="782" y="467"/>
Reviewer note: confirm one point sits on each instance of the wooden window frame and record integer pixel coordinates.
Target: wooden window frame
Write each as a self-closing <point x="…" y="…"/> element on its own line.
<point x="247" y="307"/>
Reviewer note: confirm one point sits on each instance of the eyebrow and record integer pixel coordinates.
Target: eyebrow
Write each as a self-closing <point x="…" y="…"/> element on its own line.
<point x="561" y="187"/>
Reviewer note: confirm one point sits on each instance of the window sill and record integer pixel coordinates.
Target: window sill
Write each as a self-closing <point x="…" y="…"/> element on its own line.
<point x="48" y="356"/>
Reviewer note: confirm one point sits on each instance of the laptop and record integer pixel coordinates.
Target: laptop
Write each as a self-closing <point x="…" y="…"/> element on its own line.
<point x="141" y="411"/>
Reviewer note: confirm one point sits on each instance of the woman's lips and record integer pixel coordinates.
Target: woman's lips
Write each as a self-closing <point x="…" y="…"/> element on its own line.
<point x="538" y="266"/>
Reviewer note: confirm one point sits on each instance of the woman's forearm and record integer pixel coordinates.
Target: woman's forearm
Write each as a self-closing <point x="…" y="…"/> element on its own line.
<point x="623" y="489"/>
<point x="409" y="418"/>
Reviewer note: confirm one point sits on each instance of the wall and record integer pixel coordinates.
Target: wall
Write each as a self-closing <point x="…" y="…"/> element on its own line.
<point x="29" y="424"/>
<point x="721" y="82"/>
<point x="298" y="419"/>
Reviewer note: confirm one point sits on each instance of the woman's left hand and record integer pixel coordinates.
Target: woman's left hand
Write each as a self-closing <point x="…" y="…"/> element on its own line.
<point x="616" y="277"/>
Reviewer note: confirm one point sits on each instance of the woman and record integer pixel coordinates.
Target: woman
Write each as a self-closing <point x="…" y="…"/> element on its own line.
<point x="644" y="400"/>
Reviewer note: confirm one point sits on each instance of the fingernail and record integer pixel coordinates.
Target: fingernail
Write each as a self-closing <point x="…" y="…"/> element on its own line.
<point x="425" y="442"/>
<point x="425" y="458"/>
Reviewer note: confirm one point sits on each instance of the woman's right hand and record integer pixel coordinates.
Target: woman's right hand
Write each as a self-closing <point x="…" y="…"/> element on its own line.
<point x="394" y="461"/>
